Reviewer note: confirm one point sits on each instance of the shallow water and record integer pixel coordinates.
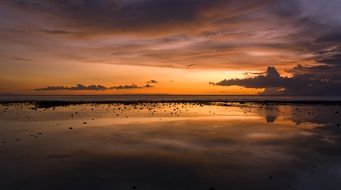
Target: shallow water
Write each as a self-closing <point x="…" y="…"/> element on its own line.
<point x="160" y="98"/>
<point x="170" y="146"/>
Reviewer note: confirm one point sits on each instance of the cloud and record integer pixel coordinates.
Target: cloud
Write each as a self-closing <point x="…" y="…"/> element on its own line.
<point x="132" y="86"/>
<point x="333" y="38"/>
<point x="189" y="34"/>
<point x="270" y="79"/>
<point x="58" y="32"/>
<point x="318" y="74"/>
<point x="79" y="87"/>
<point x="220" y="35"/>
<point x="148" y="86"/>
<point x="152" y="82"/>
<point x="131" y="15"/>
<point x="306" y="81"/>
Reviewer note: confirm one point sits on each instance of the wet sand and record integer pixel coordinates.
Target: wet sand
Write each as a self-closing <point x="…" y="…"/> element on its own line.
<point x="170" y="145"/>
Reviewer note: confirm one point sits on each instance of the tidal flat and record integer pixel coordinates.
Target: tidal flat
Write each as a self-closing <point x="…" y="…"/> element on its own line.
<point x="170" y="146"/>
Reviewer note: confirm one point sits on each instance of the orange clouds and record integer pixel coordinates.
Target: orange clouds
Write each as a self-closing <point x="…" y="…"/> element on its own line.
<point x="62" y="42"/>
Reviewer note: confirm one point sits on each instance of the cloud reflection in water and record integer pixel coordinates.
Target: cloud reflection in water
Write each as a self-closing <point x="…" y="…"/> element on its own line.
<point x="170" y="146"/>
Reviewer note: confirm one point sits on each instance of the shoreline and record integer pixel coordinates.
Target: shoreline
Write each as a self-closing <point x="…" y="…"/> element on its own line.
<point x="65" y="103"/>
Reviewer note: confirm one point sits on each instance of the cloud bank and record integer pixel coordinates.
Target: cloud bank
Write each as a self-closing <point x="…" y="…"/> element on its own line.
<point x="130" y="16"/>
<point x="324" y="80"/>
<point x="301" y="37"/>
<point x="152" y="82"/>
<point x="211" y="34"/>
<point x="80" y="87"/>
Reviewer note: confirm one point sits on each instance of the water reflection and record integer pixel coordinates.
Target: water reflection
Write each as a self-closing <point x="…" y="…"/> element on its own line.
<point x="170" y="146"/>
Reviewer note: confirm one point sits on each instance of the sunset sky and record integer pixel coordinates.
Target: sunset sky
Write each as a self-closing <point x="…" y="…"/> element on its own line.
<point x="285" y="47"/>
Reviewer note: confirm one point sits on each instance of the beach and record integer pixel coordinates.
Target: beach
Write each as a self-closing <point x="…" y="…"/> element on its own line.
<point x="170" y="95"/>
<point x="170" y="145"/>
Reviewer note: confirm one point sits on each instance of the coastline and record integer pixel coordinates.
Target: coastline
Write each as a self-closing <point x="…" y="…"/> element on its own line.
<point x="66" y="100"/>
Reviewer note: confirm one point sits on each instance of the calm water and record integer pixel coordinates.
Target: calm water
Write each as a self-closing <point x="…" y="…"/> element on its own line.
<point x="170" y="146"/>
<point x="158" y="98"/>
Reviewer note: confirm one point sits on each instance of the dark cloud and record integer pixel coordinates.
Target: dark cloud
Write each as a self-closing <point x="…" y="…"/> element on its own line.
<point x="286" y="9"/>
<point x="330" y="38"/>
<point x="190" y="34"/>
<point x="20" y="59"/>
<point x="321" y="77"/>
<point x="152" y="82"/>
<point x="79" y="87"/>
<point x="58" y="32"/>
<point x="129" y="15"/>
<point x="306" y="81"/>
<point x="271" y="79"/>
<point x="148" y="86"/>
<point x="132" y="86"/>
<point x="332" y="60"/>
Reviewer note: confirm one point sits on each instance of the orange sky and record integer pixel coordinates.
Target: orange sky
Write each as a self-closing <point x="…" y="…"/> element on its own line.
<point x="180" y="44"/>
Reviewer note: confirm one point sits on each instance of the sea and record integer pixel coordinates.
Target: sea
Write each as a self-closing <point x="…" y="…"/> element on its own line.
<point x="161" y="98"/>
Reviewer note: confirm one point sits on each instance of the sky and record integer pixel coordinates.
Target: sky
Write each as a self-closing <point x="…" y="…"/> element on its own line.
<point x="241" y="47"/>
